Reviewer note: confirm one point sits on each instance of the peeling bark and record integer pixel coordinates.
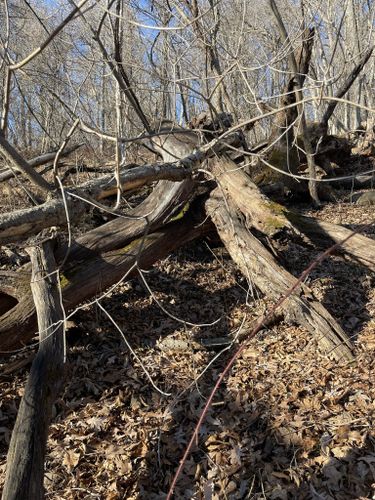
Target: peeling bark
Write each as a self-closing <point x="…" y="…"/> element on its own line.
<point x="262" y="269"/>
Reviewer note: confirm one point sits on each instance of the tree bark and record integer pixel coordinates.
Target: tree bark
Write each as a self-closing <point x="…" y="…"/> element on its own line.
<point x="272" y="219"/>
<point x="20" y="224"/>
<point x="89" y="273"/>
<point x="262" y="269"/>
<point x="25" y="462"/>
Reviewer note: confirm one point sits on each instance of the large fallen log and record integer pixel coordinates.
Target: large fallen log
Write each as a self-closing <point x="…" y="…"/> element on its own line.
<point x="20" y="224"/>
<point x="271" y="218"/>
<point x="86" y="278"/>
<point x="261" y="268"/>
<point x="91" y="256"/>
<point x="181" y="156"/>
<point x="325" y="234"/>
<point x="25" y="461"/>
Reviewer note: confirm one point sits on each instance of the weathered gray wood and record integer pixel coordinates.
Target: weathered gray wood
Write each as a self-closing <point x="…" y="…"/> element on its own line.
<point x="366" y="199"/>
<point x="166" y="200"/>
<point x="20" y="224"/>
<point x="324" y="234"/>
<point x="264" y="214"/>
<point x="181" y="155"/>
<point x="259" y="266"/>
<point x="25" y="462"/>
<point x="86" y="278"/>
<point x="178" y="147"/>
<point x="272" y="218"/>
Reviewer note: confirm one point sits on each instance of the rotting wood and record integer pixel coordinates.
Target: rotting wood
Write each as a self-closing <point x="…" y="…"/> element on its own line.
<point x="262" y="269"/>
<point x="271" y="218"/>
<point x="180" y="159"/>
<point x="325" y="234"/>
<point x="264" y="214"/>
<point x="89" y="277"/>
<point x="19" y="224"/>
<point x="25" y="462"/>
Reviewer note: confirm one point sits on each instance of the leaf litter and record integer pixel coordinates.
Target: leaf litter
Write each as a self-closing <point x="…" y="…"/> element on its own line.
<point x="288" y="422"/>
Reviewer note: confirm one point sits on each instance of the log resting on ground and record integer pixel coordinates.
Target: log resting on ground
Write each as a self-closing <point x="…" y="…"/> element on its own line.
<point x="90" y="277"/>
<point x="261" y="268"/>
<point x="271" y="218"/>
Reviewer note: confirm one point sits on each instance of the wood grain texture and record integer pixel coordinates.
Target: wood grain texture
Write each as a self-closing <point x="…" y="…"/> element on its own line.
<point x="25" y="462"/>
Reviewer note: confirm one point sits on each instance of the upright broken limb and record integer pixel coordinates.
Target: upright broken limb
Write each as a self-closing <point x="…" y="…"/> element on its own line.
<point x="299" y="98"/>
<point x="25" y="462"/>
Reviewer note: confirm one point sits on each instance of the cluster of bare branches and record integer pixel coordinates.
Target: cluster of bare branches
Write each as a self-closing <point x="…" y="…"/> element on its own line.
<point x="228" y="99"/>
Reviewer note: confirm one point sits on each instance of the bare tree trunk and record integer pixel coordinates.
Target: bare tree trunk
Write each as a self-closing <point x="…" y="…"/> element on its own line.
<point x="25" y="462"/>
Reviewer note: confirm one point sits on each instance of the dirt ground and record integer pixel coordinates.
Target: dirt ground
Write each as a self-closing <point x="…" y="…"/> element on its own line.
<point x="288" y="423"/>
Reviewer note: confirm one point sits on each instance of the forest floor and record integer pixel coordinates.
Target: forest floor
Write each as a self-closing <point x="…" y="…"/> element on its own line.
<point x="287" y="423"/>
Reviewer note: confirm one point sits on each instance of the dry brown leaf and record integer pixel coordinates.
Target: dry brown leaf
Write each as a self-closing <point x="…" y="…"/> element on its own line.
<point x="71" y="459"/>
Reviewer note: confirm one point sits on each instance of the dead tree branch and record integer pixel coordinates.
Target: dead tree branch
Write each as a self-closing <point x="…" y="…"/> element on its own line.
<point x="346" y="86"/>
<point x="25" y="463"/>
<point x="14" y="159"/>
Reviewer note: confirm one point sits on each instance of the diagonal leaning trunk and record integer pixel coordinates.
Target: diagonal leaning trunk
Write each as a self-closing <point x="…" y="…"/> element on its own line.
<point x="258" y="265"/>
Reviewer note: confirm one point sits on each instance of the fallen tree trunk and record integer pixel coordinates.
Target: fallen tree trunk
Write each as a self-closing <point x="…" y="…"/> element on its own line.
<point x="166" y="200"/>
<point x="180" y="160"/>
<point x="272" y="219"/>
<point x="93" y="258"/>
<point x="264" y="214"/>
<point x="25" y="461"/>
<point x="262" y="269"/>
<point x="324" y="234"/>
<point x="87" y="278"/>
<point x="101" y="257"/>
<point x="19" y="224"/>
